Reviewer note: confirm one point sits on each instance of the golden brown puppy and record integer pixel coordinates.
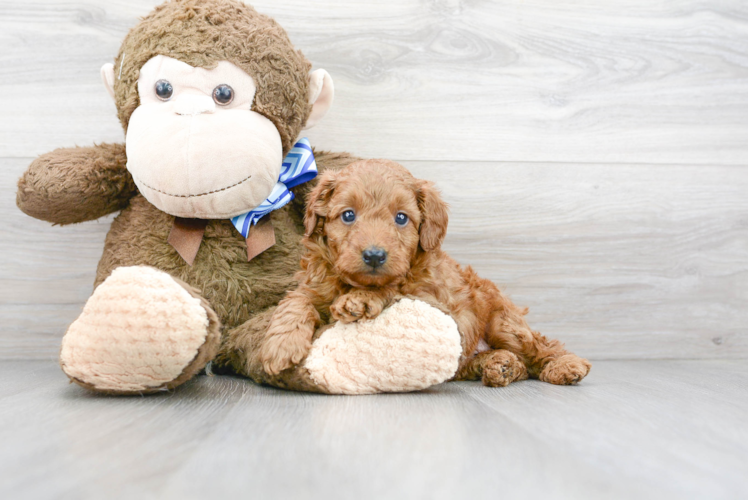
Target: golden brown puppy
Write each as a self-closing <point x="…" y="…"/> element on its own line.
<point x="373" y="234"/>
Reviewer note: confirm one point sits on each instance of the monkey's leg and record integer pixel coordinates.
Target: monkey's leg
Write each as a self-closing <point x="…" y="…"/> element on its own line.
<point x="497" y="368"/>
<point x="410" y="346"/>
<point x="141" y="331"/>
<point x="545" y="359"/>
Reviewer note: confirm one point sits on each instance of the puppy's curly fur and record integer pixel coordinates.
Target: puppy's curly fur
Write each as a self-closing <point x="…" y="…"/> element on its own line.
<point x="373" y="234"/>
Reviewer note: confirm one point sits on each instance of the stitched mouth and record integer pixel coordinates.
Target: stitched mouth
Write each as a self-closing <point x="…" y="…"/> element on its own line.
<point x="192" y="195"/>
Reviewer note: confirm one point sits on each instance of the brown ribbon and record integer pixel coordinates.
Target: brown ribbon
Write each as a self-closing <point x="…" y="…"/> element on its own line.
<point x="187" y="234"/>
<point x="260" y="237"/>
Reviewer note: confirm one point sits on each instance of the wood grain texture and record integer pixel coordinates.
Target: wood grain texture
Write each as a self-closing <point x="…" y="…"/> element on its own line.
<point x="647" y="260"/>
<point x="583" y="81"/>
<point x="634" y="429"/>
<point x="618" y="261"/>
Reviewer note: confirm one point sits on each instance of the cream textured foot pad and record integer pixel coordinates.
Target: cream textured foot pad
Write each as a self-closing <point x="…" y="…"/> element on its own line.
<point x="410" y="346"/>
<point x="138" y="331"/>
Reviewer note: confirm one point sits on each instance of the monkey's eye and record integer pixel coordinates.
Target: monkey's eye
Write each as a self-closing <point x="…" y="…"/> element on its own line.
<point x="348" y="217"/>
<point x="223" y="94"/>
<point x="401" y="219"/>
<point x="164" y="90"/>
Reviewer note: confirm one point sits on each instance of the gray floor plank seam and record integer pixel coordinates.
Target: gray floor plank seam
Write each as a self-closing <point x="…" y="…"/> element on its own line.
<point x="646" y="429"/>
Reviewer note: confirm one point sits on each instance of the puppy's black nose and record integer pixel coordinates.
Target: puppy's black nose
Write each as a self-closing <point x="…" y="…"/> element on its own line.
<point x="374" y="256"/>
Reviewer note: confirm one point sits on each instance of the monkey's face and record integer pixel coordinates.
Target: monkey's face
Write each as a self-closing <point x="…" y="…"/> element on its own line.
<point x="194" y="146"/>
<point x="211" y="95"/>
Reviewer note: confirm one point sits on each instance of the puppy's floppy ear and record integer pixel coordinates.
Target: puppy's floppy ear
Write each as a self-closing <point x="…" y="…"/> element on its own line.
<point x="316" y="202"/>
<point x="434" y="216"/>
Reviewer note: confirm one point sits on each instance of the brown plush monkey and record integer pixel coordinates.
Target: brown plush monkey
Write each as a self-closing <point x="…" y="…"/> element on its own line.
<point x="212" y="96"/>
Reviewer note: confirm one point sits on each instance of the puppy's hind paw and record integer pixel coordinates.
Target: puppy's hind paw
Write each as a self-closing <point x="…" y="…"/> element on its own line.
<point x="568" y="369"/>
<point x="502" y="368"/>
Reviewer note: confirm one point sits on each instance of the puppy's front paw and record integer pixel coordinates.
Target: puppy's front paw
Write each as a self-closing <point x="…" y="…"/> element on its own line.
<point x="565" y="370"/>
<point x="280" y="352"/>
<point x="355" y="306"/>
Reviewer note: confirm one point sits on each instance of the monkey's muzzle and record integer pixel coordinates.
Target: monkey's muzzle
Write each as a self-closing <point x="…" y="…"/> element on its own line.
<point x="192" y="160"/>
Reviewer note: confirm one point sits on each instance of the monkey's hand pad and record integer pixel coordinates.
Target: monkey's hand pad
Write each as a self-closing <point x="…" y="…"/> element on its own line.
<point x="409" y="347"/>
<point x="141" y="331"/>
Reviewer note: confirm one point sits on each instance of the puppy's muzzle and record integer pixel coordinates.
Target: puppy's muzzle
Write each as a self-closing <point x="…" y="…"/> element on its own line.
<point x="374" y="257"/>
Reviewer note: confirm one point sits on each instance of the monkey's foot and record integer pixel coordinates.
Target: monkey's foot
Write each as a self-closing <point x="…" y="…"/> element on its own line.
<point x="565" y="370"/>
<point x="141" y="331"/>
<point x="410" y="346"/>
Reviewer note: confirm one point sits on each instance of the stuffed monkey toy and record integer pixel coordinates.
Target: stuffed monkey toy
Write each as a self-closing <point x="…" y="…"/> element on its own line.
<point x="210" y="187"/>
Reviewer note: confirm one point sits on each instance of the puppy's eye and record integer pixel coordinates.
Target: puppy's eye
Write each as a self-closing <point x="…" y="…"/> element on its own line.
<point x="164" y="90"/>
<point x="401" y="219"/>
<point x="223" y="95"/>
<point x="348" y="217"/>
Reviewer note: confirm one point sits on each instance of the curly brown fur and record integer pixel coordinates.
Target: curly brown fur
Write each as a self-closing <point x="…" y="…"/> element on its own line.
<point x="336" y="282"/>
<point x="237" y="289"/>
<point x="96" y="183"/>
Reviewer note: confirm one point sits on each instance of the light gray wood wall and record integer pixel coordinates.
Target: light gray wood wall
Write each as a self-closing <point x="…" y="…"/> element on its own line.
<point x="595" y="154"/>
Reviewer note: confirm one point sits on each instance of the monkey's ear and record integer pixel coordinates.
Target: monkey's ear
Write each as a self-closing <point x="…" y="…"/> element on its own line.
<point x="107" y="76"/>
<point x="434" y="216"/>
<point x="316" y="202"/>
<point x="321" y="92"/>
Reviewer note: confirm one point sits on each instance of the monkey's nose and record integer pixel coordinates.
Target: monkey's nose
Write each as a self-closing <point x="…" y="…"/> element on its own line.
<point x="188" y="104"/>
<point x="374" y="256"/>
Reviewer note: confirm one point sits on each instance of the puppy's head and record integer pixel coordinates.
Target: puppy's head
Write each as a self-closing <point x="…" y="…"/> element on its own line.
<point x="374" y="217"/>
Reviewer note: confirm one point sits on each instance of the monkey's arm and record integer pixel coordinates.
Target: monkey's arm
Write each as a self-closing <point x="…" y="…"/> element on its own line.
<point x="71" y="185"/>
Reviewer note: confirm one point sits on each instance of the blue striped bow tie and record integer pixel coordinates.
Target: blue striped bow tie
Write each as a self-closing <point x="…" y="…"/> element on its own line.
<point x="298" y="167"/>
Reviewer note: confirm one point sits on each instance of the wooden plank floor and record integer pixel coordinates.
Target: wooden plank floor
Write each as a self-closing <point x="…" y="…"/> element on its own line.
<point x="633" y="429"/>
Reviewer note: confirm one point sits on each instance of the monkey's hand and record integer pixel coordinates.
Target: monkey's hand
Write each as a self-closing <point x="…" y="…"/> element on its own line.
<point x="289" y="336"/>
<point x="358" y="305"/>
<point x="76" y="184"/>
